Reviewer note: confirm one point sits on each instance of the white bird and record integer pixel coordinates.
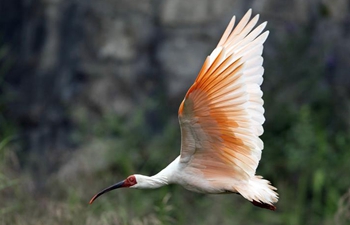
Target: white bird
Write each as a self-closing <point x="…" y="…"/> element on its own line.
<point x="221" y="120"/>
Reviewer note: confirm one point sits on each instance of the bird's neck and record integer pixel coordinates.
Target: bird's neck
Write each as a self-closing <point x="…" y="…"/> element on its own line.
<point x="164" y="177"/>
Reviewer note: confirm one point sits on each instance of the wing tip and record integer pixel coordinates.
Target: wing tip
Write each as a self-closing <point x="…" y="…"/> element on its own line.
<point x="265" y="35"/>
<point x="249" y="11"/>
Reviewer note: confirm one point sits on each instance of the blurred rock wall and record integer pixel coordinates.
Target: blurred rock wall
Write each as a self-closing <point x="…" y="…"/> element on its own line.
<point x="112" y="56"/>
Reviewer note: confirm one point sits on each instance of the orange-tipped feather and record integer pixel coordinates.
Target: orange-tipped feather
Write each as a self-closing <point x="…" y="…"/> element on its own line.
<point x="222" y="114"/>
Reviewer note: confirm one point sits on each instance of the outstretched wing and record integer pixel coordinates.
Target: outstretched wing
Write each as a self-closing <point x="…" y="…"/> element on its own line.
<point x="221" y="115"/>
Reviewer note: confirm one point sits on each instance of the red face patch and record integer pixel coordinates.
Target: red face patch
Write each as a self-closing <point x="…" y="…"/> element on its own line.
<point x="130" y="181"/>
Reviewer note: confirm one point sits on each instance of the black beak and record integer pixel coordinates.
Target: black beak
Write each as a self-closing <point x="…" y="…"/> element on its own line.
<point x="114" y="186"/>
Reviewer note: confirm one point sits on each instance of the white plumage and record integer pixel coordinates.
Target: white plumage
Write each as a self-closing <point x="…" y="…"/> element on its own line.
<point x="221" y="120"/>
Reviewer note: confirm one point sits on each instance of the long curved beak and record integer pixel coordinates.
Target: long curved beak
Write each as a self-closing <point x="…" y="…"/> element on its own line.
<point x="114" y="186"/>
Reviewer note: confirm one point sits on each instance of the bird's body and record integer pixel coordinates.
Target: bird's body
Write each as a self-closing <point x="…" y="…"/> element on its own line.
<point x="221" y="120"/>
<point x="176" y="173"/>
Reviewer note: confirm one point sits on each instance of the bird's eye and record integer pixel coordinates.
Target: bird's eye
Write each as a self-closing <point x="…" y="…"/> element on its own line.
<point x="131" y="180"/>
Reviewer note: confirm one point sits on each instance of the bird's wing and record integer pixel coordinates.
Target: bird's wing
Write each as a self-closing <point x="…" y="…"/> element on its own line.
<point x="221" y="115"/>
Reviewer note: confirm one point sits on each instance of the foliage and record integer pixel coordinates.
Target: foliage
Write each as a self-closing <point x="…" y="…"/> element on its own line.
<point x="5" y="182"/>
<point x="303" y="157"/>
<point x="7" y="131"/>
<point x="342" y="216"/>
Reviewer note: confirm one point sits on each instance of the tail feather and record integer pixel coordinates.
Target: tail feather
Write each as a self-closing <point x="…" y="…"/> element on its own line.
<point x="259" y="191"/>
<point x="264" y="205"/>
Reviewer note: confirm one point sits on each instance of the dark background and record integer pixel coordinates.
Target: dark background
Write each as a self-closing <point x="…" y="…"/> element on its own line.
<point x="89" y="93"/>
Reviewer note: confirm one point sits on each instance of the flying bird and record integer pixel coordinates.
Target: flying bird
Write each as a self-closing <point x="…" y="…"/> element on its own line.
<point x="221" y="120"/>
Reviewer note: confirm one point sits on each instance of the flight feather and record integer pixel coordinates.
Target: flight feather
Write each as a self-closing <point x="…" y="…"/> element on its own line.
<point x="222" y="113"/>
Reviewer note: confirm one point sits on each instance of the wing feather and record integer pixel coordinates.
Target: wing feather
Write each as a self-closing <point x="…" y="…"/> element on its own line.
<point x="221" y="115"/>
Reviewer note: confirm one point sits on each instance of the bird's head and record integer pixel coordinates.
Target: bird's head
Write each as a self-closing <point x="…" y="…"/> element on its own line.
<point x="130" y="181"/>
